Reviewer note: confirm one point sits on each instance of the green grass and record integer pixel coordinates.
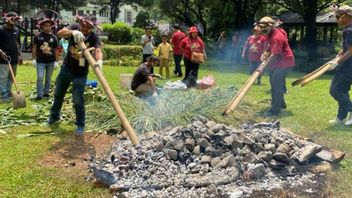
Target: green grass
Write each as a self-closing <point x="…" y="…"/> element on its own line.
<point x="308" y="112"/>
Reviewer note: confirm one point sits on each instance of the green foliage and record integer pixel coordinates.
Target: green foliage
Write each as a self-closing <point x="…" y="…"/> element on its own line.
<point x="137" y="34"/>
<point x="118" y="32"/>
<point x="118" y="51"/>
<point x="142" y="19"/>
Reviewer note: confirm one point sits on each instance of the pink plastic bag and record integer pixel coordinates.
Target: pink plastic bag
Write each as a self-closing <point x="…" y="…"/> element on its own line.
<point x="206" y="82"/>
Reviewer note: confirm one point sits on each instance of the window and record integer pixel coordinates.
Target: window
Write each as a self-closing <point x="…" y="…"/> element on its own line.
<point x="88" y="12"/>
<point x="129" y="17"/>
<point x="73" y="12"/>
<point x="80" y="12"/>
<point x="94" y="12"/>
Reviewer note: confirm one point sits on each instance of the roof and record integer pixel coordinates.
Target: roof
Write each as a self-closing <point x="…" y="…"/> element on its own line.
<point x="322" y="17"/>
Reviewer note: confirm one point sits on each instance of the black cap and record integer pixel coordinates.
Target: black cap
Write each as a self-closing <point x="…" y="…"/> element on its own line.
<point x="176" y="26"/>
<point x="11" y="14"/>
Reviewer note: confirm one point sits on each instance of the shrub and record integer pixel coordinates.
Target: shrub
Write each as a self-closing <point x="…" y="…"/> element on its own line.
<point x="118" y="32"/>
<point x="137" y="34"/>
<point x="118" y="51"/>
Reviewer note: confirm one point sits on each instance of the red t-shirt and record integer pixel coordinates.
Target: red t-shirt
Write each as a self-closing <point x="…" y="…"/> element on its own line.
<point x="196" y="44"/>
<point x="278" y="45"/>
<point x="176" y="39"/>
<point x="255" y="47"/>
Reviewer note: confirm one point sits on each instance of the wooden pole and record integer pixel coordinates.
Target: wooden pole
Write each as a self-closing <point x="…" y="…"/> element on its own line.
<point x="244" y="89"/>
<point x="126" y="125"/>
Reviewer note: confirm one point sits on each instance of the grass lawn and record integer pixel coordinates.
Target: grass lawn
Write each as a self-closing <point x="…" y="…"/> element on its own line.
<point x="308" y="112"/>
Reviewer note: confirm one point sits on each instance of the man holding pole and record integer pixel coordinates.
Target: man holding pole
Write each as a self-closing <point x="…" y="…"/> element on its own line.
<point x="279" y="59"/>
<point x="75" y="69"/>
<point x="342" y="81"/>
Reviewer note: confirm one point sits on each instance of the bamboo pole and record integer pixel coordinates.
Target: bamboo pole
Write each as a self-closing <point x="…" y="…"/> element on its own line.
<point x="244" y="89"/>
<point x="126" y="125"/>
<point x="313" y="75"/>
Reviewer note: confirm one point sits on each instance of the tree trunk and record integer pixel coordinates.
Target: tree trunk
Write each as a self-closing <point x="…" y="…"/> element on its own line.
<point x="310" y="40"/>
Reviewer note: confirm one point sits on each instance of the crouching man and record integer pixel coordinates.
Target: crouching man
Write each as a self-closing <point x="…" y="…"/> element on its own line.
<point x="142" y="82"/>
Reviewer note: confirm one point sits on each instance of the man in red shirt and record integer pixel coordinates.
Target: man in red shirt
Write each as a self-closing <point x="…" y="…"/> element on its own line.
<point x="280" y="61"/>
<point x="176" y="39"/>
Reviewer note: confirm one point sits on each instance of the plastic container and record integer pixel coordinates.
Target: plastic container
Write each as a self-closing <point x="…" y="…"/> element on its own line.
<point x="125" y="81"/>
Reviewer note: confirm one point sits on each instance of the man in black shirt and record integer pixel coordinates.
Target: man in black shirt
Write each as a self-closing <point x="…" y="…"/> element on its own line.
<point x="9" y="46"/>
<point x="75" y="69"/>
<point x="142" y="82"/>
<point x="45" y="56"/>
<point x="342" y="81"/>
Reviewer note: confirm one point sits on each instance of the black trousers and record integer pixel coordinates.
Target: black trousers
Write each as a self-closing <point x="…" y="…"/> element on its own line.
<point x="277" y="82"/>
<point x="190" y="67"/>
<point x="339" y="90"/>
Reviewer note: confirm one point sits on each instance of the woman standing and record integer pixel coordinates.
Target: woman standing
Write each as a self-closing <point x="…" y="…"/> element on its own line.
<point x="254" y="47"/>
<point x="190" y="44"/>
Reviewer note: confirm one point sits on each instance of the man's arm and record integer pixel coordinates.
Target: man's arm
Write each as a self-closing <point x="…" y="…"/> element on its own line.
<point x="34" y="51"/>
<point x="345" y="56"/>
<point x="64" y="33"/>
<point x="151" y="83"/>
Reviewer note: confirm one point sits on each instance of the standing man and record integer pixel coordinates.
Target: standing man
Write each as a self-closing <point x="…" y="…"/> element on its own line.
<point x="45" y="56"/>
<point x="342" y="81"/>
<point x="74" y="70"/>
<point x="9" y="46"/>
<point x="176" y="39"/>
<point x="280" y="60"/>
<point x="148" y="44"/>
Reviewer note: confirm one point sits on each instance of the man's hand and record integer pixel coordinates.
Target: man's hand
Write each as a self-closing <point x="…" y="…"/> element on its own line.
<point x="78" y="36"/>
<point x="56" y="64"/>
<point x="34" y="63"/>
<point x="99" y="63"/>
<point x="155" y="94"/>
<point x="2" y="54"/>
<point x="333" y="64"/>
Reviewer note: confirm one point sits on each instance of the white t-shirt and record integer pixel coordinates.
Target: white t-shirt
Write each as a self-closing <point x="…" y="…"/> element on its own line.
<point x="149" y="47"/>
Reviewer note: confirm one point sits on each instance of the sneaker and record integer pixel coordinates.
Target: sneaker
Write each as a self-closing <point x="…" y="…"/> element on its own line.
<point x="46" y="96"/>
<point x="38" y="98"/>
<point x="52" y="121"/>
<point x="79" y="130"/>
<point x="349" y="119"/>
<point x="336" y="121"/>
<point x="179" y="75"/>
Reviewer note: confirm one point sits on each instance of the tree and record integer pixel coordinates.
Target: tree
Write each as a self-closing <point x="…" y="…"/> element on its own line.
<point x="142" y="19"/>
<point x="56" y="5"/>
<point x="308" y="9"/>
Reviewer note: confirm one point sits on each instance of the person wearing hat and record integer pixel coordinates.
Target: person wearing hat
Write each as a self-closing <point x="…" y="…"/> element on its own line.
<point x="45" y="56"/>
<point x="279" y="60"/>
<point x="142" y="81"/>
<point x="342" y="80"/>
<point x="148" y="44"/>
<point x="9" y="47"/>
<point x="74" y="70"/>
<point x="176" y="39"/>
<point x="192" y="43"/>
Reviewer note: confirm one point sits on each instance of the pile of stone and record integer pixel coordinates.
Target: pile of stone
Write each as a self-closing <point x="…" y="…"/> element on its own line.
<point x="207" y="157"/>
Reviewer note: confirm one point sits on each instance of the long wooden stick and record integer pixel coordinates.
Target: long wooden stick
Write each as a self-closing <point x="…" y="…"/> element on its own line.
<point x="244" y="89"/>
<point x="313" y="75"/>
<point x="126" y="125"/>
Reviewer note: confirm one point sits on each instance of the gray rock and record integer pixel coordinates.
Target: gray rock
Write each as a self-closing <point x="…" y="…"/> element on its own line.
<point x="276" y="165"/>
<point x="256" y="171"/>
<point x="250" y="158"/>
<point x="283" y="148"/>
<point x="326" y="155"/>
<point x="270" y="147"/>
<point x="281" y="157"/>
<point x="246" y="140"/>
<point x="189" y="144"/>
<point x="227" y="162"/>
<point x="236" y="143"/>
<point x="306" y="152"/>
<point x="210" y="124"/>
<point x="192" y="165"/>
<point x="265" y="155"/>
<point x="237" y="193"/>
<point x="216" y="128"/>
<point x="205" y="159"/>
<point x="158" y="145"/>
<point x="228" y="140"/>
<point x="198" y="124"/>
<point x="215" y="161"/>
<point x="196" y="150"/>
<point x="178" y="145"/>
<point x="203" y="143"/>
<point x="170" y="154"/>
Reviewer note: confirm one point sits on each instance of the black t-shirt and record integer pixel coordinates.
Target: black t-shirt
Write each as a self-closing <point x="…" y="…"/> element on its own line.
<point x="71" y="61"/>
<point x="46" y="45"/>
<point x="346" y="67"/>
<point x="8" y="44"/>
<point x="140" y="76"/>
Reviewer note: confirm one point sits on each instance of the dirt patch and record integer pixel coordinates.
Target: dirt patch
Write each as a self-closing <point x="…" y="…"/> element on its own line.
<point x="76" y="152"/>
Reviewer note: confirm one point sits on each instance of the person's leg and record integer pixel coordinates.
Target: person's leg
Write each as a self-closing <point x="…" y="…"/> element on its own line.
<point x="144" y="90"/>
<point x="339" y="90"/>
<point x="178" y="69"/>
<point x="277" y="78"/>
<point x="161" y="66"/>
<point x="167" y="68"/>
<point x="48" y="74"/>
<point x="4" y="74"/>
<point x="63" y="81"/>
<point x="40" y="76"/>
<point x="10" y="81"/>
<point x="79" y="84"/>
<point x="195" y="68"/>
<point x="187" y="66"/>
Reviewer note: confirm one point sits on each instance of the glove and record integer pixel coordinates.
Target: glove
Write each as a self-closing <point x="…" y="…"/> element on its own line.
<point x="34" y="63"/>
<point x="56" y="65"/>
<point x="78" y="36"/>
<point x="99" y="63"/>
<point x="155" y="94"/>
<point x="333" y="64"/>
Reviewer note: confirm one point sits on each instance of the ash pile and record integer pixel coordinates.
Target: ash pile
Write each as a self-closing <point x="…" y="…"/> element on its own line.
<point x="208" y="159"/>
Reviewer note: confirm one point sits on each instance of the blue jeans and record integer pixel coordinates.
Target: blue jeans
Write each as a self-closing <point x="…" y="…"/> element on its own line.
<point x="47" y="69"/>
<point x="178" y="69"/>
<point x="6" y="80"/>
<point x="339" y="90"/>
<point x="63" y="82"/>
